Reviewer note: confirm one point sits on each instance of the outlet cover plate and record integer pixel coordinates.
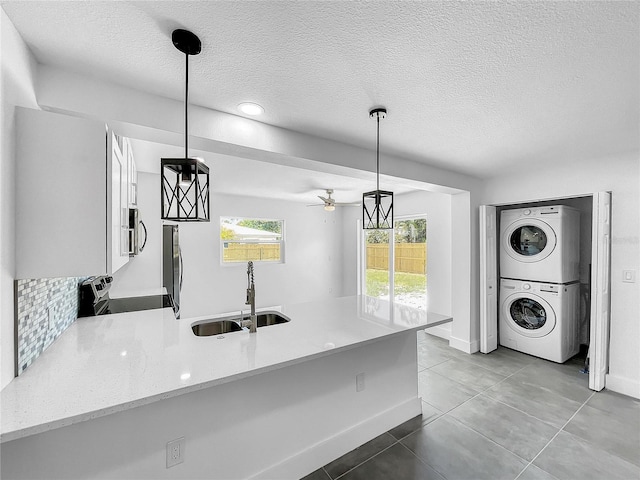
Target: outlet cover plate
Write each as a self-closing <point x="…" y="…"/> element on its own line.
<point x="175" y="452"/>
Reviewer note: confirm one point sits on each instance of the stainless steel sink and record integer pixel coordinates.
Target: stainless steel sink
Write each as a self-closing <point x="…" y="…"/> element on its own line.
<point x="231" y="324"/>
<point x="216" y="327"/>
<point x="268" y="318"/>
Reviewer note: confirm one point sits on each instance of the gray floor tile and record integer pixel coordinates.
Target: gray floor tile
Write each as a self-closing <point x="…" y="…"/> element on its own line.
<point x="428" y="356"/>
<point x="457" y="452"/>
<point x="429" y="414"/>
<point x="534" y="473"/>
<point x="441" y="392"/>
<point x="361" y="454"/>
<point x="472" y="375"/>
<point x="442" y="345"/>
<point x="421" y="336"/>
<point x="516" y="431"/>
<point x="626" y="408"/>
<point x="609" y="431"/>
<point x="569" y="457"/>
<point x="395" y="463"/>
<point x="561" y="379"/>
<point x="502" y="361"/>
<point x="539" y="402"/>
<point x="319" y="474"/>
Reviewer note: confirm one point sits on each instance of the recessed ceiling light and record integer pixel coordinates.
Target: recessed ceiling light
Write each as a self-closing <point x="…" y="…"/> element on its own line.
<point x="251" y="108"/>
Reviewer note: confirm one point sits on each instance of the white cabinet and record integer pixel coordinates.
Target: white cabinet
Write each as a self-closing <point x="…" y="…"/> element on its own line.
<point x="132" y="174"/>
<point x="71" y="197"/>
<point x="119" y="204"/>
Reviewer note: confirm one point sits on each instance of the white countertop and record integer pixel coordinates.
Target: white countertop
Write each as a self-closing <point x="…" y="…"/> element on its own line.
<point x="102" y="365"/>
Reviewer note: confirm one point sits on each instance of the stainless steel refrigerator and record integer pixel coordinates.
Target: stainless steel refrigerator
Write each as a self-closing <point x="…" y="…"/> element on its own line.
<point x="172" y="264"/>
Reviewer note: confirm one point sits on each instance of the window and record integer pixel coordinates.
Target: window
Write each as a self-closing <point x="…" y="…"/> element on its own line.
<point x="251" y="239"/>
<point x="404" y="280"/>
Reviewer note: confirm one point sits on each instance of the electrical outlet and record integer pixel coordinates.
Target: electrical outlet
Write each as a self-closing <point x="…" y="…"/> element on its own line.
<point x="629" y="276"/>
<point x="360" y="382"/>
<point x="175" y="452"/>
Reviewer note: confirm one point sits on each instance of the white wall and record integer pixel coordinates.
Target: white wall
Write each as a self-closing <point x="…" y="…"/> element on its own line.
<point x="16" y="89"/>
<point x="312" y="269"/>
<point x="621" y="176"/>
<point x="313" y="251"/>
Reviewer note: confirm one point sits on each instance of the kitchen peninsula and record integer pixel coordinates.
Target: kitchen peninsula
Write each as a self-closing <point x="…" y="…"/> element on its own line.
<point x="107" y="396"/>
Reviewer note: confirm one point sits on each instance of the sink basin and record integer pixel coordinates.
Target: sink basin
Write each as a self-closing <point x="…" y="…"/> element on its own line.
<point x="231" y="324"/>
<point x="216" y="327"/>
<point x="269" y="318"/>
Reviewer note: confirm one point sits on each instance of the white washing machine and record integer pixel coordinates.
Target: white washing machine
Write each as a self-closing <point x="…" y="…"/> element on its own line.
<point x="541" y="244"/>
<point x="540" y="319"/>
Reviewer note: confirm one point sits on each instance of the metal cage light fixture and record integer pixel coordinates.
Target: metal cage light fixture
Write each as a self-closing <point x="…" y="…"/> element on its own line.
<point x="377" y="206"/>
<point x="184" y="185"/>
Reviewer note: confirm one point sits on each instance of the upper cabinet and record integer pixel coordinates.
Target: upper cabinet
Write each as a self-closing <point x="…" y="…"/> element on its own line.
<point x="132" y="174"/>
<point x="73" y="192"/>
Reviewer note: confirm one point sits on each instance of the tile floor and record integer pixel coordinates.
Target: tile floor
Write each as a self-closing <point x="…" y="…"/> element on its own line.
<point x="505" y="415"/>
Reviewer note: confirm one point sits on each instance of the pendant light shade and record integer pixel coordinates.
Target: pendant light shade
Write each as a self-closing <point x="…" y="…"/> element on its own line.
<point x="377" y="206"/>
<point x="185" y="181"/>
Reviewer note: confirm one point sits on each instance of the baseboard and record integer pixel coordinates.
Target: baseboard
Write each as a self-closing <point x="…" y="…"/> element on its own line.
<point x="321" y="453"/>
<point x="441" y="331"/>
<point x="463" y="345"/>
<point x="623" y="385"/>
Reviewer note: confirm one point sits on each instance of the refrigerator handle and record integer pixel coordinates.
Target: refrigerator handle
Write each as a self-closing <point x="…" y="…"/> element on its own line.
<point x="144" y="227"/>
<point x="181" y="265"/>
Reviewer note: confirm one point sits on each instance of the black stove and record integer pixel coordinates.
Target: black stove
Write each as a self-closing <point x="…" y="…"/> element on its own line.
<point x="95" y="300"/>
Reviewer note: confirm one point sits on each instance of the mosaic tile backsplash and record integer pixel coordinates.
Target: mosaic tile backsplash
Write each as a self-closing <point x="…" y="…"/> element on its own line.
<point x="45" y="308"/>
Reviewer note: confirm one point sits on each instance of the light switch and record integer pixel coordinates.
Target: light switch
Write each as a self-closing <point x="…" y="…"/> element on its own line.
<point x="629" y="276"/>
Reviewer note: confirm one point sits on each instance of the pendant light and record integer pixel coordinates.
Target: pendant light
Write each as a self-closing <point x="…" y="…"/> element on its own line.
<point x="377" y="206"/>
<point x="185" y="181"/>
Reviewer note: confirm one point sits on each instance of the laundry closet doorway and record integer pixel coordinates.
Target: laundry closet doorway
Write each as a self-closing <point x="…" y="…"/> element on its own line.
<point x="598" y="277"/>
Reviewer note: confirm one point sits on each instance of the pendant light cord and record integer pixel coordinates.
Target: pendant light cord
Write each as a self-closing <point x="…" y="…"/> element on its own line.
<point x="186" y="110"/>
<point x="378" y="153"/>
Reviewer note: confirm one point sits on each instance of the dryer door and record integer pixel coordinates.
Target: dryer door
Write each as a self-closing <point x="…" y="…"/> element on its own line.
<point x="529" y="240"/>
<point x="529" y="315"/>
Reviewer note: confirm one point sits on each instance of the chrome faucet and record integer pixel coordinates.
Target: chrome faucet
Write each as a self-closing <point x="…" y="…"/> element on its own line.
<point x="251" y="297"/>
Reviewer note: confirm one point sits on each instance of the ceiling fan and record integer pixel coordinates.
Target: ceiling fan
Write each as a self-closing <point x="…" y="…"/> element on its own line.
<point x="330" y="203"/>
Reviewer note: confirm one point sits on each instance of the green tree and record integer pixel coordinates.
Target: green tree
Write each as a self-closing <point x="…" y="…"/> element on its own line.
<point x="226" y="233"/>
<point x="378" y="236"/>
<point x="411" y="231"/>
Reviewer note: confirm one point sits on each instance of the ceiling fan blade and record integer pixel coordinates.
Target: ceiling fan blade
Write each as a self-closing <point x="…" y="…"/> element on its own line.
<point x="354" y="204"/>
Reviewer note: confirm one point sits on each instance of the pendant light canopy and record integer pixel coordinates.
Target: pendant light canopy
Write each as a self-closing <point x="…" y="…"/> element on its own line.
<point x="185" y="181"/>
<point x="377" y="206"/>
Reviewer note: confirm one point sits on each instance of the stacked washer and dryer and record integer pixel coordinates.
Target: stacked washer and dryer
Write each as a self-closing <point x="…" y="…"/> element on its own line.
<point x="539" y="285"/>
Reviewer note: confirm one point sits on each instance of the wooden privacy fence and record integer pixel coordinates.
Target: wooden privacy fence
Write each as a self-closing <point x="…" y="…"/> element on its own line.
<point x="409" y="257"/>
<point x="243" y="252"/>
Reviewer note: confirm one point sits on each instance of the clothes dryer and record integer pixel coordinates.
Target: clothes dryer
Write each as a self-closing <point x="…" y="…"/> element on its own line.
<point x="540" y="319"/>
<point x="540" y="244"/>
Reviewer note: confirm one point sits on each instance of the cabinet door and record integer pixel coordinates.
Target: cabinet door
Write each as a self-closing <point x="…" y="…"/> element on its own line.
<point x="119" y="224"/>
<point x="61" y="196"/>
<point x="132" y="177"/>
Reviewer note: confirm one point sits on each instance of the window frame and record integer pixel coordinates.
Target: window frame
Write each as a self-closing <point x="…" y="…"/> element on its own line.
<point x="281" y="260"/>
<point x="362" y="256"/>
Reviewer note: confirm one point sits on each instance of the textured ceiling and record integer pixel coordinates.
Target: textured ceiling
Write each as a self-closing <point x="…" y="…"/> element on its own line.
<point x="475" y="87"/>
